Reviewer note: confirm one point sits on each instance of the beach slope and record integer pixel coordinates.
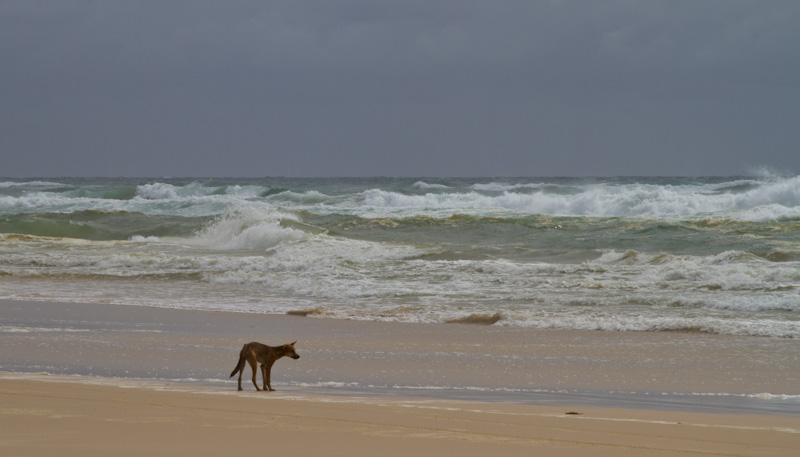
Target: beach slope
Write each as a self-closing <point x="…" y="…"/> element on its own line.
<point x="42" y="418"/>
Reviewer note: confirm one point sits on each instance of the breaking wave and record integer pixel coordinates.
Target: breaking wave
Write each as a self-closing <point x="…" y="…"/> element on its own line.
<point x="740" y="199"/>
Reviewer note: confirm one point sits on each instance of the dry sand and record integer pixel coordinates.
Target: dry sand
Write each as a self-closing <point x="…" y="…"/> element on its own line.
<point x="147" y="381"/>
<point x="68" y="419"/>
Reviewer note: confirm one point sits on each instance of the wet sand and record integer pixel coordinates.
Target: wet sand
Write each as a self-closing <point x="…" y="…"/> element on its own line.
<point x="382" y="388"/>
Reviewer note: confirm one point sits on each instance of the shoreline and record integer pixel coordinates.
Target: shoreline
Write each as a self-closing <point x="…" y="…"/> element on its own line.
<point x="666" y="370"/>
<point x="693" y="403"/>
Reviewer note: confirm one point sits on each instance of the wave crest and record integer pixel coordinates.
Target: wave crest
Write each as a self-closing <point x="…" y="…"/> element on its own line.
<point x="248" y="228"/>
<point x="752" y="200"/>
<point x="424" y="185"/>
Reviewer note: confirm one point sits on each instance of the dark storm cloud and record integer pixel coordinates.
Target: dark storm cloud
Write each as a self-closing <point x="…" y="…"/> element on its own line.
<point x="398" y="88"/>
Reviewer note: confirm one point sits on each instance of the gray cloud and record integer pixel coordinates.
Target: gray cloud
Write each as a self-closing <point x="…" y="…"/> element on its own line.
<point x="348" y="88"/>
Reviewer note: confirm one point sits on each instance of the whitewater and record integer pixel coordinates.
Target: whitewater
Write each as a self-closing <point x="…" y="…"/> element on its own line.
<point x="717" y="255"/>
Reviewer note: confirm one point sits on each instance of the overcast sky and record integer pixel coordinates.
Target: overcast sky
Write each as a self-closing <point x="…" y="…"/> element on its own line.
<point x="398" y="88"/>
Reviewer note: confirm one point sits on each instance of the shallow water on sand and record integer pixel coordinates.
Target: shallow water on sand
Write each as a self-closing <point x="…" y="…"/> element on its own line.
<point x="690" y="371"/>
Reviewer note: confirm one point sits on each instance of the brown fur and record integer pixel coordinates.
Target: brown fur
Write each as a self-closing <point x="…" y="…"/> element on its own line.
<point x="255" y="353"/>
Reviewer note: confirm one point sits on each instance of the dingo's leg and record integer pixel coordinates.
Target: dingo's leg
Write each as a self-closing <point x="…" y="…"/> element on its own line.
<point x="241" y="372"/>
<point x="254" y="366"/>
<point x="268" y="375"/>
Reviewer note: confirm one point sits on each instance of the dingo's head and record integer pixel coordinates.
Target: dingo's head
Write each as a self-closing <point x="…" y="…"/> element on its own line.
<point x="289" y="350"/>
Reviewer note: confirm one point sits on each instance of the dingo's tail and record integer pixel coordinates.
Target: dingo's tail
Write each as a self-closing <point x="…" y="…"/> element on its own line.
<point x="239" y="366"/>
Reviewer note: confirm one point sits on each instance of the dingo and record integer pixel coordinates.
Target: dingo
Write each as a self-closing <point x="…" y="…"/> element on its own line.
<point x="254" y="353"/>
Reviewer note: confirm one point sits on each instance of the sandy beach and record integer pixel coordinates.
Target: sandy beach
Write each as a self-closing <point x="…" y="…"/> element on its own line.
<point x="76" y="419"/>
<point x="84" y="379"/>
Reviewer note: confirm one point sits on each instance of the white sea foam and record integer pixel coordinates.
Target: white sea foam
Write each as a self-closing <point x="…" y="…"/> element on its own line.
<point x="762" y="201"/>
<point x="500" y="187"/>
<point x="769" y="396"/>
<point x="164" y="191"/>
<point x="248" y="227"/>
<point x="26" y="329"/>
<point x="157" y="191"/>
<point x="54" y="203"/>
<point x="166" y="203"/>
<point x="244" y="191"/>
<point x="424" y="185"/>
<point x="145" y="239"/>
<point x="305" y="198"/>
<point x="727" y="271"/>
<point x="646" y="323"/>
<point x="33" y="184"/>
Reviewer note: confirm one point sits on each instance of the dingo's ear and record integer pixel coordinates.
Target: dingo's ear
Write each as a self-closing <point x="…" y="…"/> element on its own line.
<point x="293" y="343"/>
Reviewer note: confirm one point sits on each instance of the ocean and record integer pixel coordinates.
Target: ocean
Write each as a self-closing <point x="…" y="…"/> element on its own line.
<point x="717" y="255"/>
